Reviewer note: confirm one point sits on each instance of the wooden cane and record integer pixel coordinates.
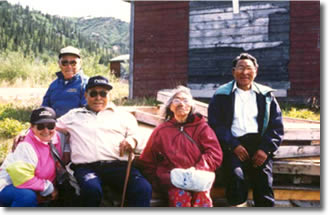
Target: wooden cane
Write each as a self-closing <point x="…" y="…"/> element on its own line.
<point x="128" y="169"/>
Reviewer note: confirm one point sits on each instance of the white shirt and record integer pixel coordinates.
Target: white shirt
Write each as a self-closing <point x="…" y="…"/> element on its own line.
<point x="95" y="137"/>
<point x="245" y="113"/>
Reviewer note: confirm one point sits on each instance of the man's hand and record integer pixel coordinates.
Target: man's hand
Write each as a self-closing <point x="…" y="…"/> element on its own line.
<point x="259" y="158"/>
<point x="241" y="153"/>
<point x="125" y="147"/>
<point x="17" y="139"/>
<point x="54" y="194"/>
<point x="50" y="197"/>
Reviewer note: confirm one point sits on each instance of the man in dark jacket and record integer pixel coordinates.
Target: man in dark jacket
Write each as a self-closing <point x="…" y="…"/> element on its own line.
<point x="67" y="91"/>
<point x="247" y="120"/>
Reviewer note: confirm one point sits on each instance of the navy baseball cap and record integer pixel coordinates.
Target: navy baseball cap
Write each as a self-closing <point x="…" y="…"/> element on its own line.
<point x="98" y="81"/>
<point x="43" y="115"/>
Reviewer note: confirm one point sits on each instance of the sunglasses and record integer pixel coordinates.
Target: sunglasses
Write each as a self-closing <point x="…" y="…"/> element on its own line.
<point x="95" y="93"/>
<point x="66" y="62"/>
<point x="50" y="126"/>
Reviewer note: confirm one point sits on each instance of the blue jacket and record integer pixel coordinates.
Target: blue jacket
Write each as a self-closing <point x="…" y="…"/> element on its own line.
<point x="62" y="96"/>
<point x="269" y="119"/>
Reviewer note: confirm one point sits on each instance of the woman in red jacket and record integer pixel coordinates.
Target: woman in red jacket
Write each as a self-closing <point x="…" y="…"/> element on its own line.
<point x="183" y="141"/>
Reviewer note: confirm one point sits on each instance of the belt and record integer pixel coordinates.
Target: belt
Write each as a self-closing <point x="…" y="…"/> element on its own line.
<point x="99" y="164"/>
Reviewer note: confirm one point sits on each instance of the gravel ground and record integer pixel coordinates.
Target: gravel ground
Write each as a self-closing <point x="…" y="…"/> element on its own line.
<point x="20" y="95"/>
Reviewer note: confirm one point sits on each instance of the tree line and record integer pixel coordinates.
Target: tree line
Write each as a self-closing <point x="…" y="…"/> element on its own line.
<point x="36" y="34"/>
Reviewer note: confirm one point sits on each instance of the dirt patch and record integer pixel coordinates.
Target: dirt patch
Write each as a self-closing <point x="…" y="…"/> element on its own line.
<point x="22" y="95"/>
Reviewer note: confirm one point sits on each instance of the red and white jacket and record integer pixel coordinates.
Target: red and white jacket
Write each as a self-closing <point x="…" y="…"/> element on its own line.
<point x="168" y="148"/>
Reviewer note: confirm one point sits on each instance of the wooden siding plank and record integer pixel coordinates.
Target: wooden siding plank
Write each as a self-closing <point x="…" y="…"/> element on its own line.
<point x="297" y="151"/>
<point x="302" y="194"/>
<point x="296" y="168"/>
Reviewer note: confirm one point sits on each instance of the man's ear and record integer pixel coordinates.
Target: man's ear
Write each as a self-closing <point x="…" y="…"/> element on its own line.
<point x="233" y="71"/>
<point x="256" y="72"/>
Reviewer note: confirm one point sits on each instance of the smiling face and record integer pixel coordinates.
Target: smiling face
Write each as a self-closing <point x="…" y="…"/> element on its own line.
<point x="181" y="106"/>
<point x="97" y="98"/>
<point x="44" y="134"/>
<point x="69" y="65"/>
<point x="244" y="73"/>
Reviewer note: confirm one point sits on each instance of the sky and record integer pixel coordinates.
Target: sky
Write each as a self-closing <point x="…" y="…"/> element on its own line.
<point x="80" y="8"/>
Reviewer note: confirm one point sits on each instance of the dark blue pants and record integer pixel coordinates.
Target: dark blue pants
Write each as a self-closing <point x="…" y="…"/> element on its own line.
<point x="92" y="176"/>
<point x="11" y="196"/>
<point x="242" y="175"/>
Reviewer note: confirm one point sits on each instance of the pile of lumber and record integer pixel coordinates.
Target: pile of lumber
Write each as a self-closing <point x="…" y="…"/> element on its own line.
<point x="296" y="165"/>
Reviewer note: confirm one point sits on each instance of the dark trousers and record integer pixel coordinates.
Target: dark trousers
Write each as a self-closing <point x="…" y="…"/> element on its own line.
<point x="240" y="176"/>
<point x="92" y="176"/>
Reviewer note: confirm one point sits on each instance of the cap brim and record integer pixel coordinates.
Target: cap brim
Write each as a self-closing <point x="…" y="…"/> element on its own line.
<point x="45" y="121"/>
<point x="107" y="86"/>
<point x="62" y="54"/>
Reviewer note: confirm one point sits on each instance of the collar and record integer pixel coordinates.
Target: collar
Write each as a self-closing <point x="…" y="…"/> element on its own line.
<point x="33" y="136"/>
<point x="227" y="89"/>
<point x="110" y="106"/>
<point x="253" y="88"/>
<point x="61" y="76"/>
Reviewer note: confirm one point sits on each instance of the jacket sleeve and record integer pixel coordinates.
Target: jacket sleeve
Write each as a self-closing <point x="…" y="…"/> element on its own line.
<point x="22" y="170"/>
<point x="273" y="135"/>
<point x="212" y="156"/>
<point x="46" y="98"/>
<point x="131" y="130"/>
<point x="147" y="161"/>
<point x="83" y="101"/>
<point x="217" y="119"/>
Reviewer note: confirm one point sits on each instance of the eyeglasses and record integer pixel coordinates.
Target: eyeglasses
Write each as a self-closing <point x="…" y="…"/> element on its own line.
<point x="95" y="93"/>
<point x="178" y="101"/>
<point x="50" y="126"/>
<point x="241" y="69"/>
<point x="66" y="62"/>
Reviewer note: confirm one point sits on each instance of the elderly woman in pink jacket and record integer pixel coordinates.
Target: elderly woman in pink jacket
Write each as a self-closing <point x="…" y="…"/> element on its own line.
<point x="27" y="175"/>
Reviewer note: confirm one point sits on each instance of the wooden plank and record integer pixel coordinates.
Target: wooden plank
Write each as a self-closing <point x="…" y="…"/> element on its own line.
<point x="148" y="118"/>
<point x="315" y="159"/>
<point x="296" y="168"/>
<point x="164" y="95"/>
<point x="296" y="120"/>
<point x="208" y="90"/>
<point x="284" y="179"/>
<point x="297" y="151"/>
<point x="302" y="194"/>
<point x="304" y="133"/>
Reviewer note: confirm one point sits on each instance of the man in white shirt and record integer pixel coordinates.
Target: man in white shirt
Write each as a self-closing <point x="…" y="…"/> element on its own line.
<point x="248" y="123"/>
<point x="101" y="137"/>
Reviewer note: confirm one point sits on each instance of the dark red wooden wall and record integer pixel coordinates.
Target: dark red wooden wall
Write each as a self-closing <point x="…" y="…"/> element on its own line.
<point x="160" y="46"/>
<point x="304" y="65"/>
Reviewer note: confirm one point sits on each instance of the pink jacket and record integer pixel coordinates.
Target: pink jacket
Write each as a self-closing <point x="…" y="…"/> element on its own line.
<point x="32" y="166"/>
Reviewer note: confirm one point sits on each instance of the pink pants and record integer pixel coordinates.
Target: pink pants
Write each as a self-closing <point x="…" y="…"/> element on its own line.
<point x="183" y="198"/>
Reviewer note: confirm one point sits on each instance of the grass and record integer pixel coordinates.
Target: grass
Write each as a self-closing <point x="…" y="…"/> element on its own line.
<point x="300" y="111"/>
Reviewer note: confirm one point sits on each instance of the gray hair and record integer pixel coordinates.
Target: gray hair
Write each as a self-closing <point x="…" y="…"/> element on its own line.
<point x="168" y="114"/>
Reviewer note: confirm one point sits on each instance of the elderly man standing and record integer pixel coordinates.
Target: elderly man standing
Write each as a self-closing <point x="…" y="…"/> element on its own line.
<point x="248" y="123"/>
<point x="101" y="138"/>
<point x="67" y="91"/>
